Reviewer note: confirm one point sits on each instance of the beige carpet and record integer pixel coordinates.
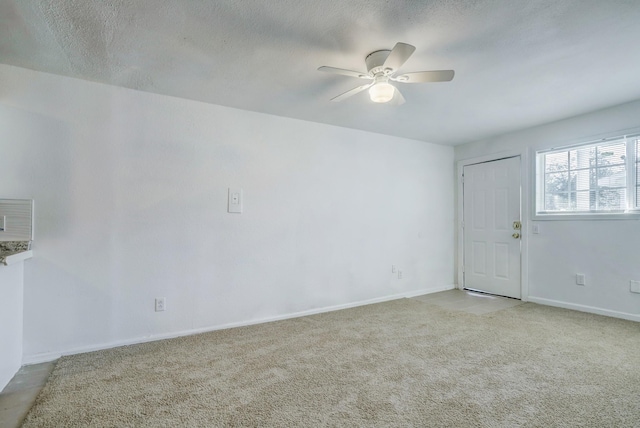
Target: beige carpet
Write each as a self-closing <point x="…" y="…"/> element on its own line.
<point x="397" y="364"/>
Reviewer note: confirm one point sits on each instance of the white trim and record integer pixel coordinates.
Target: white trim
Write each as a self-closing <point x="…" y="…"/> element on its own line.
<point x="630" y="160"/>
<point x="633" y="155"/>
<point x="51" y="356"/>
<point x="18" y="257"/>
<point x="410" y="294"/>
<point x="574" y="216"/>
<point x="583" y="308"/>
<point x="591" y="138"/>
<point x="586" y="144"/>
<point x="525" y="209"/>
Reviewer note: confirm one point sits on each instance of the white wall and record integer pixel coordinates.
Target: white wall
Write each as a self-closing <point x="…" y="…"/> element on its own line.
<point x="131" y="196"/>
<point x="605" y="250"/>
<point x="11" y="278"/>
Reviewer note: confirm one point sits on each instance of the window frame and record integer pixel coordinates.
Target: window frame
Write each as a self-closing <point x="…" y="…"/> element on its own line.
<point x="635" y="173"/>
<point x="632" y="169"/>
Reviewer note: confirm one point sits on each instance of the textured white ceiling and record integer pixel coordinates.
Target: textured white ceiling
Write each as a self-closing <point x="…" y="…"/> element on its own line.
<point x="518" y="63"/>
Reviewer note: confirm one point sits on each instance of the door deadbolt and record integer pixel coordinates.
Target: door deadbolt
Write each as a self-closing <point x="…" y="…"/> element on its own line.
<point x="517" y="225"/>
<point x="516" y="235"/>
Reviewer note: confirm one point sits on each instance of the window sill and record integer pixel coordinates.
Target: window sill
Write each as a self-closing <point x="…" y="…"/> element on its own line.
<point x="629" y="215"/>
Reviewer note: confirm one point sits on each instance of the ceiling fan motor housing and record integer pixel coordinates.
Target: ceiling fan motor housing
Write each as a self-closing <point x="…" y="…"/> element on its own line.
<point x="375" y="61"/>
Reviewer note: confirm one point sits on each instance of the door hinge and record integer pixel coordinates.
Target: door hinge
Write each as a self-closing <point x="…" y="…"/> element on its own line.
<point x="462" y="224"/>
<point x="463" y="269"/>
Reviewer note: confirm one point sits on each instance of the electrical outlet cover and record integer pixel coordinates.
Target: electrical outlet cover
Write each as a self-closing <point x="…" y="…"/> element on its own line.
<point x="235" y="200"/>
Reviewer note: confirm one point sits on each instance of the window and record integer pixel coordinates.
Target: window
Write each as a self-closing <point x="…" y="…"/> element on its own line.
<point x="637" y="167"/>
<point x="593" y="178"/>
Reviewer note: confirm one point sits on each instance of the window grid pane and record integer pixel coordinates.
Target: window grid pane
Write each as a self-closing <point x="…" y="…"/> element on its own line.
<point x="612" y="154"/>
<point x="555" y="162"/>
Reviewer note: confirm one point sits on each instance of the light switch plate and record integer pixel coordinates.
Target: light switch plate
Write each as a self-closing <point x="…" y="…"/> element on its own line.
<point x="634" y="286"/>
<point x="235" y="200"/>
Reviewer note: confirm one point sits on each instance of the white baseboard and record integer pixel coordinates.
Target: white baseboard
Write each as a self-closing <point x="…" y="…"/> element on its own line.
<point x="51" y="356"/>
<point x="583" y="308"/>
<point x="423" y="292"/>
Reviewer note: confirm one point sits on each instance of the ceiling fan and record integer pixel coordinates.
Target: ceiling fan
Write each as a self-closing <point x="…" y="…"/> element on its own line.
<point x="382" y="66"/>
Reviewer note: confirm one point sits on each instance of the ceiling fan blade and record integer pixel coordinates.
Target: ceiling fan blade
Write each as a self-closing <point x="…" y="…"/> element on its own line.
<point x="425" y="76"/>
<point x="344" y="72"/>
<point x="398" y="56"/>
<point x="398" y="99"/>
<point x="352" y="92"/>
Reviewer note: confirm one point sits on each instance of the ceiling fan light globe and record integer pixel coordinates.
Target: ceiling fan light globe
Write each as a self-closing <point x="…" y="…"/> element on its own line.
<point x="381" y="92"/>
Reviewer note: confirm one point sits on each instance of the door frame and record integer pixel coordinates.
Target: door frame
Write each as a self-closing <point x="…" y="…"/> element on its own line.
<point x="525" y="192"/>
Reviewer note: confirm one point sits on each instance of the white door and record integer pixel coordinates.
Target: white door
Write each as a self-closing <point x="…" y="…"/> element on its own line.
<point x="491" y="227"/>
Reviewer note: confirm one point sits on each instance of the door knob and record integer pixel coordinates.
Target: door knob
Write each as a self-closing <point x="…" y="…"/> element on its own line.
<point x="516" y="235"/>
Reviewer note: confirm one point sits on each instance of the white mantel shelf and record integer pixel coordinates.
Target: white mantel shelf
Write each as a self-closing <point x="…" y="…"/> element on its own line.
<point x="15" y="258"/>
